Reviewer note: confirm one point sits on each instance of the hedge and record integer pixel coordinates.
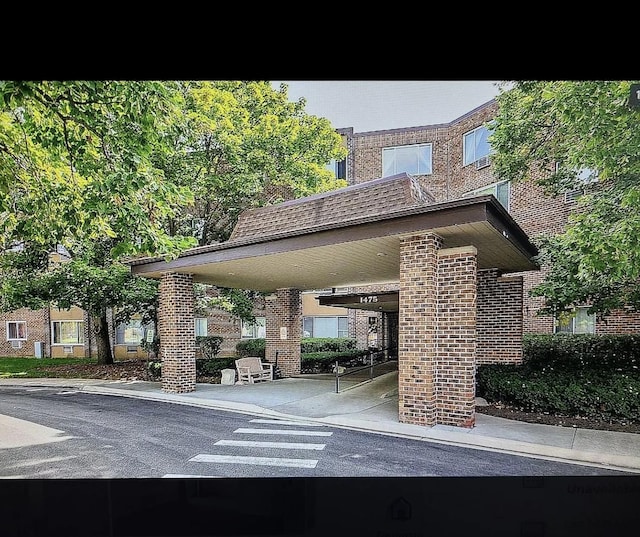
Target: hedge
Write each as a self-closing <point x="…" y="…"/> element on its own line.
<point x="256" y="347"/>
<point x="580" y="375"/>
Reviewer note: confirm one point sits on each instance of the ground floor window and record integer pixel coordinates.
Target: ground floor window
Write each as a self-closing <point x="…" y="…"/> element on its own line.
<point x="132" y="332"/>
<point x="255" y="330"/>
<point x="68" y="332"/>
<point x="325" y="327"/>
<point x="16" y="330"/>
<point x="201" y="326"/>
<point x="578" y="321"/>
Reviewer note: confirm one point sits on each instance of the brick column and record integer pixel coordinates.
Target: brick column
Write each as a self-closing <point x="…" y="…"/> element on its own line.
<point x="284" y="330"/>
<point x="177" y="333"/>
<point x="417" y="329"/>
<point x="456" y="336"/>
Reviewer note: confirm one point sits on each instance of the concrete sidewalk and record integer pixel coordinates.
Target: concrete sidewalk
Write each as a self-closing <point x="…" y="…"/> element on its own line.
<point x="373" y="407"/>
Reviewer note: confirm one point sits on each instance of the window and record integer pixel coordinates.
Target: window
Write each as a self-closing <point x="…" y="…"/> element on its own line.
<point x="475" y="145"/>
<point x="68" y="332"/>
<point x="325" y="327"/>
<point x="584" y="177"/>
<point x="412" y="159"/>
<point x="131" y="333"/>
<point x="16" y="330"/>
<point x="578" y="321"/>
<point x="256" y="330"/>
<point x="500" y="190"/>
<point x="338" y="167"/>
<point x="201" y="326"/>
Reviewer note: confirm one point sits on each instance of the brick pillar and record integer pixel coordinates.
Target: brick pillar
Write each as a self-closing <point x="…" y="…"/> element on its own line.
<point x="456" y="336"/>
<point x="177" y="333"/>
<point x="284" y="330"/>
<point x="417" y="329"/>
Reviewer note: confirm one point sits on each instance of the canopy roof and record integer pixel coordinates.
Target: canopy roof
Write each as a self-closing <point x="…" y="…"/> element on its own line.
<point x="348" y="237"/>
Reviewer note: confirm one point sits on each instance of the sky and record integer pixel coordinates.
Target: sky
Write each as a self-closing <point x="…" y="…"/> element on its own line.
<point x="370" y="105"/>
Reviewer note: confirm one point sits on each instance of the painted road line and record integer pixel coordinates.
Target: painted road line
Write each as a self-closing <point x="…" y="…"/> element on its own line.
<point x="280" y="445"/>
<point x="284" y="422"/>
<point x="190" y="476"/>
<point x="260" y="461"/>
<point x="282" y="431"/>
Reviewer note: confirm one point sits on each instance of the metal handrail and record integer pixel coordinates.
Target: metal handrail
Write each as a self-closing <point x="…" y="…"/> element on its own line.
<point x="358" y="369"/>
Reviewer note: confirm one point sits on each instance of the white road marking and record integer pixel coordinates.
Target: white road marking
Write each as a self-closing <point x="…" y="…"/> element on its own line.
<point x="283" y="445"/>
<point x="284" y="422"/>
<point x="67" y="393"/>
<point x="282" y="431"/>
<point x="190" y="476"/>
<point x="260" y="461"/>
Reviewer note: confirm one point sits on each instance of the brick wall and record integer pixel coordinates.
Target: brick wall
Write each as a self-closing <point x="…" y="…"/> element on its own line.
<point x="37" y="330"/>
<point x="456" y="336"/>
<point x="177" y="333"/>
<point x="284" y="311"/>
<point x="499" y="318"/>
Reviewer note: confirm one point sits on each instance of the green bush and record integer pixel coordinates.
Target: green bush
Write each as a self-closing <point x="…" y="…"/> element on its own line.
<point x="322" y="362"/>
<point x="251" y="347"/>
<point x="211" y="367"/>
<point x="325" y="344"/>
<point x="210" y="345"/>
<point x="578" y="375"/>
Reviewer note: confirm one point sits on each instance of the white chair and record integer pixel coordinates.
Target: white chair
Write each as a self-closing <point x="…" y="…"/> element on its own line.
<point x="251" y="369"/>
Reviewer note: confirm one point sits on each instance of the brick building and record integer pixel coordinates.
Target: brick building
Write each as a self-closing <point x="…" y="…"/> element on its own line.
<point x="449" y="162"/>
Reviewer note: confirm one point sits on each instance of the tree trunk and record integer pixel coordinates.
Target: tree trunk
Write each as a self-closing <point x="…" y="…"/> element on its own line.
<point x="101" y="331"/>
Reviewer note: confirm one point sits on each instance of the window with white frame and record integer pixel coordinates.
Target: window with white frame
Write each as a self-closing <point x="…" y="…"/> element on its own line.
<point x="500" y="191"/>
<point x="475" y="145"/>
<point x="16" y="330"/>
<point x="577" y="321"/>
<point x="68" y="332"/>
<point x="412" y="159"/>
<point x="201" y="326"/>
<point x="254" y="330"/>
<point x="320" y="326"/>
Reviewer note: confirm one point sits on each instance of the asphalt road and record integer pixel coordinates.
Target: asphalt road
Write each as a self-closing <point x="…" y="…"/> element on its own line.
<point x="61" y="434"/>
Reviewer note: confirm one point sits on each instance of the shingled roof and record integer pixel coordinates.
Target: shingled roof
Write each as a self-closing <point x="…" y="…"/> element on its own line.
<point x="372" y="198"/>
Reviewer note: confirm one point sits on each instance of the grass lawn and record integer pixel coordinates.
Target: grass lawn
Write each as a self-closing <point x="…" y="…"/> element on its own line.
<point x="31" y="367"/>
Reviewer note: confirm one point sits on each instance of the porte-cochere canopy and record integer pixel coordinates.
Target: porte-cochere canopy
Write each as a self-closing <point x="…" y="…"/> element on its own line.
<point x="446" y="258"/>
<point x="348" y="237"/>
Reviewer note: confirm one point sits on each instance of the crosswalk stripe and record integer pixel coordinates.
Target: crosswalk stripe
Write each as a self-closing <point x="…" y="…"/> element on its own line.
<point x="282" y="431"/>
<point x="260" y="461"/>
<point x="281" y="445"/>
<point x="284" y="422"/>
<point x="189" y="476"/>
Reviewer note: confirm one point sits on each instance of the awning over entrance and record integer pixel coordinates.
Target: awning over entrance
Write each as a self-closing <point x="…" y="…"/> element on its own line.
<point x="311" y="244"/>
<point x="386" y="301"/>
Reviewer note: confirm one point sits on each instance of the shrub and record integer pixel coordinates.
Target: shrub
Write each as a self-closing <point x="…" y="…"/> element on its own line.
<point x="325" y="344"/>
<point x="210" y="345"/>
<point x="322" y="362"/>
<point x="211" y="367"/>
<point x="251" y="347"/>
<point x="581" y="375"/>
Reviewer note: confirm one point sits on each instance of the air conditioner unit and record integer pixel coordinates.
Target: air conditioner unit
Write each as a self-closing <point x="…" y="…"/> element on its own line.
<point x="16" y="344"/>
<point x="483" y="162"/>
<point x="572" y="195"/>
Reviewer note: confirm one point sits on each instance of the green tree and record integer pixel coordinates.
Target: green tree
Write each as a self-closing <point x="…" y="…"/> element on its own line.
<point x="242" y="144"/>
<point x="557" y="133"/>
<point x="109" y="169"/>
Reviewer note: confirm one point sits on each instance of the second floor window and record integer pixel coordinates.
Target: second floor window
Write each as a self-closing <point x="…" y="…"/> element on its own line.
<point x="499" y="190"/>
<point x="411" y="159"/>
<point x="475" y="145"/>
<point x="338" y="167"/>
<point x="201" y="326"/>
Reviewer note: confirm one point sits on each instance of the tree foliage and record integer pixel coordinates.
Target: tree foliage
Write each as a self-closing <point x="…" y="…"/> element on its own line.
<point x="551" y="131"/>
<point x="113" y="169"/>
<point x="75" y="165"/>
<point x="242" y="144"/>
